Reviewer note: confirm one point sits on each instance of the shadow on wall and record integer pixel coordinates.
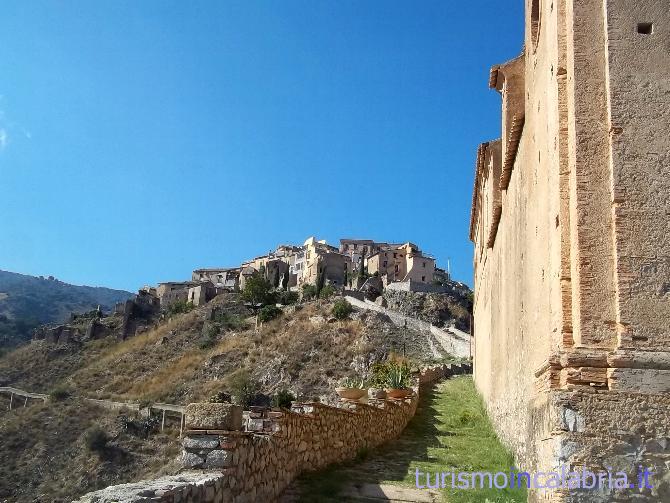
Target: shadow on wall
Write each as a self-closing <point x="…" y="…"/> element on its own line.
<point x="388" y="463"/>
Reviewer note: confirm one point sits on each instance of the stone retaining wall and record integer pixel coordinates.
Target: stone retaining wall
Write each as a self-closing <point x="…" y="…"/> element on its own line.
<point x="453" y="341"/>
<point x="259" y="463"/>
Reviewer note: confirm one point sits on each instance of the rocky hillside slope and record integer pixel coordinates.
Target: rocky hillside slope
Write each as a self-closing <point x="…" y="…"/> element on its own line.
<point x="441" y="309"/>
<point x="179" y="359"/>
<point x="29" y="301"/>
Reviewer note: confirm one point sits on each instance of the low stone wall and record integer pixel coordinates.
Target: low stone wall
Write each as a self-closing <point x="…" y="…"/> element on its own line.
<point x="195" y="486"/>
<point x="416" y="286"/>
<point x="257" y="464"/>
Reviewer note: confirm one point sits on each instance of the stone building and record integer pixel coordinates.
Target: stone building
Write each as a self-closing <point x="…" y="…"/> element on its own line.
<point x="227" y="278"/>
<point x="320" y="257"/>
<point x="202" y="293"/>
<point x="401" y="263"/>
<point x="360" y="249"/>
<point x="571" y="225"/>
<point x="173" y="291"/>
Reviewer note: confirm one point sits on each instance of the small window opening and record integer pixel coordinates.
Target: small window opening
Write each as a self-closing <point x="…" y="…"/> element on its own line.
<point x="645" y="28"/>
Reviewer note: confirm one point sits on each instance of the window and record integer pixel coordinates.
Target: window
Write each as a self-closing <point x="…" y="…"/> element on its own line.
<point x="395" y="255"/>
<point x="424" y="265"/>
<point x="423" y="278"/>
<point x="645" y="28"/>
<point x="385" y="263"/>
<point x="355" y="246"/>
<point x="397" y="268"/>
<point x="535" y="23"/>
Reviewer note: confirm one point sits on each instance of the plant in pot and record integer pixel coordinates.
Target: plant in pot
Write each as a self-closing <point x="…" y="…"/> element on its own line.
<point x="351" y="389"/>
<point x="378" y="376"/>
<point x="396" y="382"/>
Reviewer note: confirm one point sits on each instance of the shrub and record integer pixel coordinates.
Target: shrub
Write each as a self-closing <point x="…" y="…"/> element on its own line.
<point x="397" y="377"/>
<point x="342" y="309"/>
<point x="206" y="343"/>
<point x="257" y="289"/>
<point x="352" y="382"/>
<point x="268" y="313"/>
<point x="96" y="439"/>
<point x="380" y="372"/>
<point x="243" y="388"/>
<point x="229" y="321"/>
<point x="209" y="336"/>
<point x="139" y="427"/>
<point x="283" y="399"/>
<point x="180" y="307"/>
<point x="287" y="298"/>
<point x="308" y="292"/>
<point x="59" y="394"/>
<point x="327" y="292"/>
<point x="220" y="397"/>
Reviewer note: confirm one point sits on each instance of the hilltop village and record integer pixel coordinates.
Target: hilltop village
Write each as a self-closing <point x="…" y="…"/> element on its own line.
<point x="357" y="264"/>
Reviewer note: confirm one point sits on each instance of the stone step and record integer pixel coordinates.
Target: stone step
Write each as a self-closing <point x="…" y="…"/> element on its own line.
<point x="390" y="493"/>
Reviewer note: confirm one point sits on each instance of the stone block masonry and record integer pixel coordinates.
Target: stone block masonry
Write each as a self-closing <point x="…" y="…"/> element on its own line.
<point x="257" y="464"/>
<point x="572" y="246"/>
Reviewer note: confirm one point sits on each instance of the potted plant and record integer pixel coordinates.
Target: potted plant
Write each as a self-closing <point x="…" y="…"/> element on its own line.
<point x="351" y="389"/>
<point x="396" y="382"/>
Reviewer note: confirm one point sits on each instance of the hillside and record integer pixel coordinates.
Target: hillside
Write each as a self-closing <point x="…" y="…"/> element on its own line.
<point x="29" y="301"/>
<point x="180" y="359"/>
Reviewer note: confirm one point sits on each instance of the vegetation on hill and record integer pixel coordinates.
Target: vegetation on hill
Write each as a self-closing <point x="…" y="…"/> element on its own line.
<point x="55" y="451"/>
<point x="29" y="301"/>
<point x="215" y="352"/>
<point x="303" y="348"/>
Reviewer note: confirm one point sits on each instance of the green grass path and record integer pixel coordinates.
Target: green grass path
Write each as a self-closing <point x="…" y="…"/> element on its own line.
<point x="450" y="432"/>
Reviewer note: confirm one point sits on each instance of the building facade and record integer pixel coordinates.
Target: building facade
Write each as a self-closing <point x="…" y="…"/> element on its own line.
<point x="227" y="278"/>
<point x="401" y="263"/>
<point x="571" y="225"/>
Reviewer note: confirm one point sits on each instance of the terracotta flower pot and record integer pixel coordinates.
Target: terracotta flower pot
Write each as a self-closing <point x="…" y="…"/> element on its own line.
<point x="376" y="393"/>
<point x="351" y="393"/>
<point x="397" y="394"/>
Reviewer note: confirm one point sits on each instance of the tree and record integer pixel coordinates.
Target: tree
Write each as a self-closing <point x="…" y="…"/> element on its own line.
<point x="327" y="292"/>
<point x="256" y="289"/>
<point x="275" y="281"/>
<point x="361" y="268"/>
<point x="320" y="280"/>
<point x="268" y="313"/>
<point x="342" y="309"/>
<point x="285" y="278"/>
<point x="308" y="291"/>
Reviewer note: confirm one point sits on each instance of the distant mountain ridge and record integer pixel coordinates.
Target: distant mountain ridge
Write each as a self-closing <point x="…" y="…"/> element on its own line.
<point x="28" y="301"/>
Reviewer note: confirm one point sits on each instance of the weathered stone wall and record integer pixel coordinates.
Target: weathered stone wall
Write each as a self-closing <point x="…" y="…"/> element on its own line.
<point x="259" y="466"/>
<point x="571" y="287"/>
<point x="259" y="463"/>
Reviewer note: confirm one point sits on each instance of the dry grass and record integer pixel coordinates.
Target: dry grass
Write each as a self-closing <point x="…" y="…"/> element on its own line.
<point x="176" y="371"/>
<point x="300" y="351"/>
<point x="43" y="456"/>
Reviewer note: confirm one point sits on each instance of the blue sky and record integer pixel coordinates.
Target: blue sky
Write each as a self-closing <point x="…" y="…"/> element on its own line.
<point x="142" y="139"/>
